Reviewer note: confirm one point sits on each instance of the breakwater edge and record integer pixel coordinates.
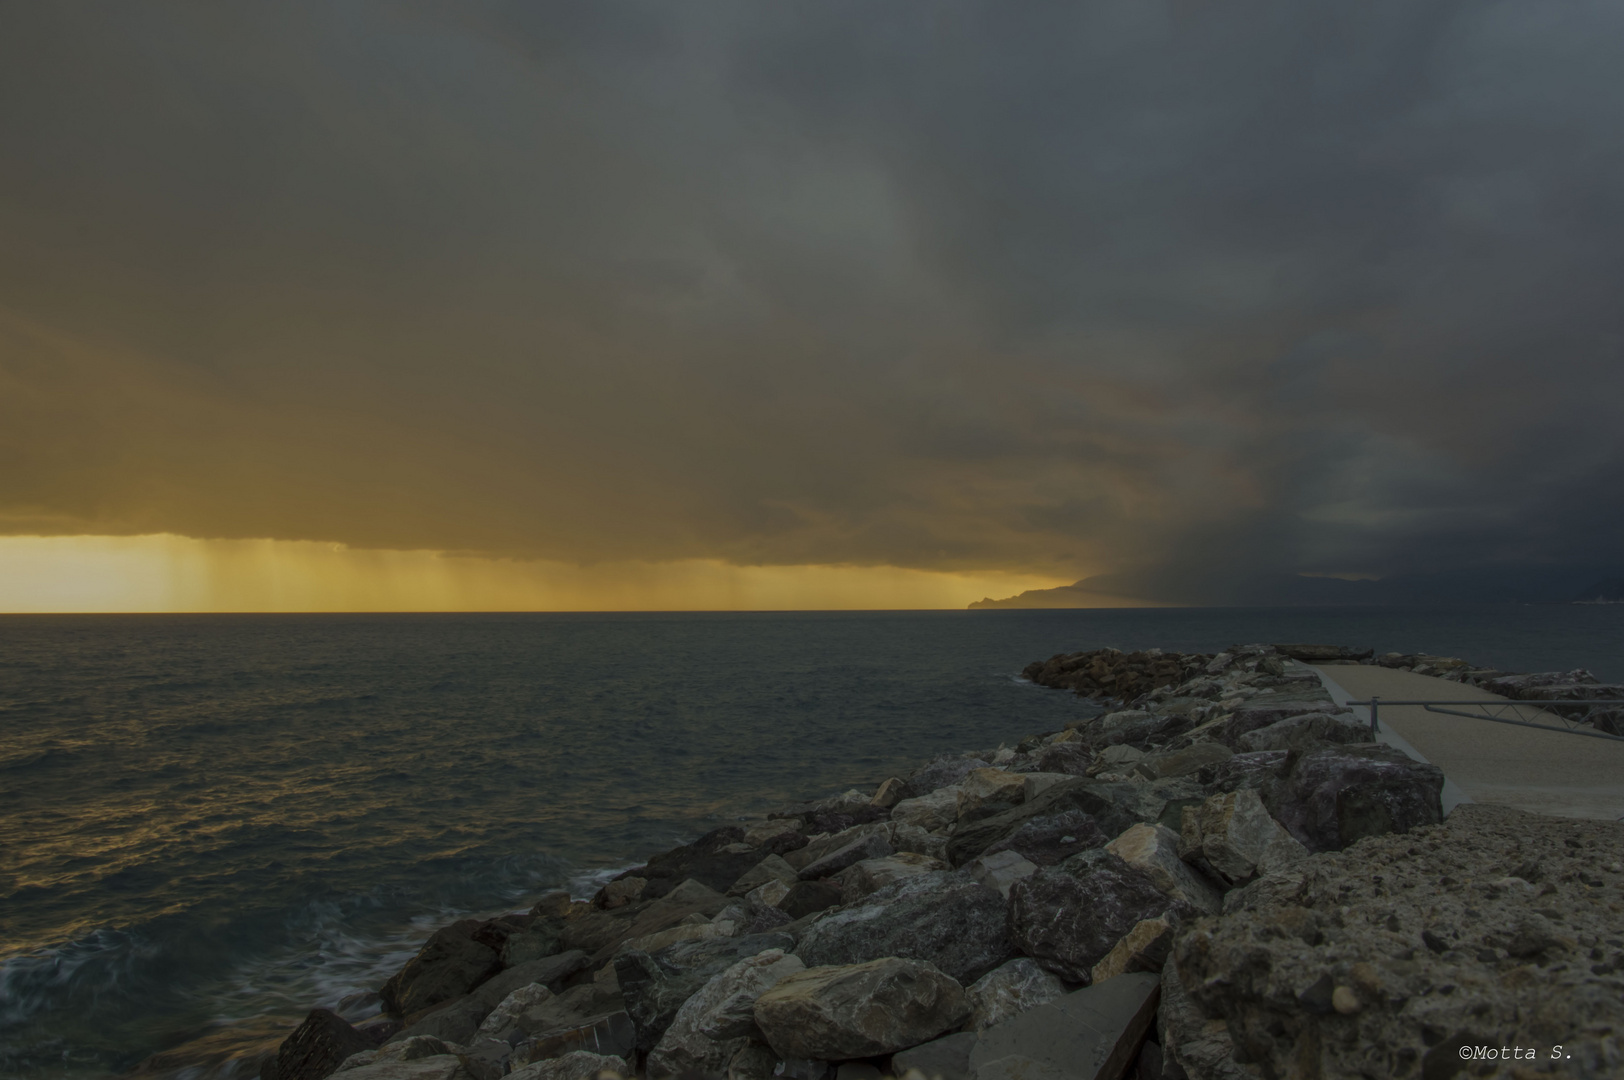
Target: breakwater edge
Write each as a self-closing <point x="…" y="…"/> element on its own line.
<point x="1215" y="874"/>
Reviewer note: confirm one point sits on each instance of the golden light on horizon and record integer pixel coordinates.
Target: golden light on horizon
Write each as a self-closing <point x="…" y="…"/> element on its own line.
<point x="169" y="573"/>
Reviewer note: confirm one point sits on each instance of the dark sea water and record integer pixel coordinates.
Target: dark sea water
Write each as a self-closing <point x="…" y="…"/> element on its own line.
<point x="212" y="823"/>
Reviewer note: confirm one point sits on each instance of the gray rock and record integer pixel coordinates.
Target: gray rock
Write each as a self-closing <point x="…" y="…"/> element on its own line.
<point x="576" y="1065"/>
<point x="318" y="1046"/>
<point x="654" y="986"/>
<point x="819" y="846"/>
<point x="941" y="772"/>
<point x="612" y="1034"/>
<point x="452" y="1021"/>
<point x="947" y="1058"/>
<point x="1191" y="1042"/>
<point x="1304" y="732"/>
<point x="1133" y="726"/>
<point x="1071" y="758"/>
<point x="1337" y="795"/>
<point x="1154" y="850"/>
<point x="719" y="1020"/>
<point x="1001" y="869"/>
<point x="439" y="1067"/>
<point x="808" y="897"/>
<point x="861" y="1010"/>
<point x="873" y="846"/>
<point x="1069" y="917"/>
<point x="550" y="971"/>
<point x="871" y="875"/>
<point x="1052" y="838"/>
<point x="1144" y="948"/>
<point x="542" y="939"/>
<point x="1262" y="713"/>
<point x="450" y="964"/>
<point x="772" y="868"/>
<point x="1182" y="762"/>
<point x="753" y="1061"/>
<point x="1093" y="1034"/>
<point x="1009" y="990"/>
<point x="985" y="792"/>
<point x="1114" y="805"/>
<point x="947" y="920"/>
<point x="504" y="1021"/>
<point x="1234" y="835"/>
<point x="933" y="811"/>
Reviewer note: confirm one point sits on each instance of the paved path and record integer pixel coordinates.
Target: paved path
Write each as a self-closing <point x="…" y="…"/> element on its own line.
<point x="1542" y="771"/>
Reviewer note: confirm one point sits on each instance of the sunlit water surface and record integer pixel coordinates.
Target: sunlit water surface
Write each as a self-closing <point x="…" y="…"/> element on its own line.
<point x="212" y="823"/>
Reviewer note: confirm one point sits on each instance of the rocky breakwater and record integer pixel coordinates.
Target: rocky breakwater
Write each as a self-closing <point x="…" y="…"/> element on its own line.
<point x="1222" y="882"/>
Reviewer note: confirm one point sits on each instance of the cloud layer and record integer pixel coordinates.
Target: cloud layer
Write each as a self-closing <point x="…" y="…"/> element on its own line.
<point x="1178" y="292"/>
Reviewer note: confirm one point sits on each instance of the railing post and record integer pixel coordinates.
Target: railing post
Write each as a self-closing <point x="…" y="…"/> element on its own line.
<point x="1375" y="703"/>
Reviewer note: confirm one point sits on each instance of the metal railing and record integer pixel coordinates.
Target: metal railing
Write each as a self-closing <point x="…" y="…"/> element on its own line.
<point x="1575" y="716"/>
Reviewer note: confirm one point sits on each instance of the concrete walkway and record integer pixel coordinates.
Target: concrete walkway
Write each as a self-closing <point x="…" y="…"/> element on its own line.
<point x="1545" y="772"/>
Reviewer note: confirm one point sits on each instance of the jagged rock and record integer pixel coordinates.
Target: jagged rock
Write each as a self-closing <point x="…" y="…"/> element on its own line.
<point x="1113" y="757"/>
<point x="713" y="861"/>
<point x="316" y="1048"/>
<point x="453" y="961"/>
<point x="1262" y="771"/>
<point x="437" y="1067"/>
<point x="908" y="839"/>
<point x="653" y="987"/>
<point x="771" y="835"/>
<point x="613" y="1034"/>
<point x="1182" y="762"/>
<point x="1387" y="957"/>
<point x="1322" y="654"/>
<point x="504" y="1021"/>
<point x="550" y="971"/>
<point x="1114" y="806"/>
<point x="806" y="897"/>
<point x="946" y="920"/>
<point x="859" y="1010"/>
<point x="819" y="846"/>
<point x="932" y="811"/>
<point x="1009" y="990"/>
<point x="1092" y="1034"/>
<point x="1039" y="782"/>
<point x="1144" y="948"/>
<point x="946" y="1058"/>
<point x="889" y="793"/>
<point x="754" y="1061"/>
<point x="1235" y="836"/>
<point x="1001" y="869"/>
<point x="1071" y="758"/>
<point x="872" y="846"/>
<point x="939" y="773"/>
<point x="542" y="939"/>
<point x="1337" y="795"/>
<point x="1201" y="1047"/>
<point x="769" y="894"/>
<point x="451" y="1021"/>
<point x="1052" y="838"/>
<point x="1069" y="917"/>
<point x="1255" y="715"/>
<point x="1133" y="726"/>
<point x="576" y="1065"/>
<point x="620" y="892"/>
<point x="1154" y="850"/>
<point x="678" y="906"/>
<point x="870" y="875"/>
<point x="985" y="792"/>
<point x="719" y="1019"/>
<point x="772" y="868"/>
<point x="1304" y="732"/>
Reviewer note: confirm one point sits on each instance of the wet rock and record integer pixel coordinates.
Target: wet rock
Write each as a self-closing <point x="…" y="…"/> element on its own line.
<point x="653" y="987"/>
<point x="946" y="1058"/>
<point x="612" y="1034"/>
<point x="772" y="868"/>
<point x="947" y="920"/>
<point x="690" y="902"/>
<point x="941" y="772"/>
<point x="873" y="846"/>
<point x="1234" y="835"/>
<point x="1144" y="948"/>
<point x="1153" y="849"/>
<point x="1069" y="917"/>
<point x="550" y="971"/>
<point x="1052" y="838"/>
<point x="831" y="822"/>
<point x="999" y="870"/>
<point x="715" y="860"/>
<point x="1009" y="990"/>
<point x="870" y="875"/>
<point x="1182" y="762"/>
<point x="719" y="1020"/>
<point x="862" y="1010"/>
<point x="452" y="1021"/>
<point x="1092" y="1034"/>
<point x="316" y="1048"/>
<point x="1335" y="796"/>
<point x="806" y="897"/>
<point x="451" y="963"/>
<point x="620" y="892"/>
<point x="576" y="1065"/>
<point x="1352" y="926"/>
<point x="1305" y="732"/>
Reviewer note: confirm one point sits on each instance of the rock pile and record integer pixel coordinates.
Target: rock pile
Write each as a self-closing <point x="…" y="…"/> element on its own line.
<point x="1222" y="880"/>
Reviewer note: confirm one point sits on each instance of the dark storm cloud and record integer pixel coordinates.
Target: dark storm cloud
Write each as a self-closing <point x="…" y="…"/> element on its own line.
<point x="1188" y="292"/>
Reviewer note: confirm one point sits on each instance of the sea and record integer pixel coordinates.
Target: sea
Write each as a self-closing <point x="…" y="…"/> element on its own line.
<point x="210" y="824"/>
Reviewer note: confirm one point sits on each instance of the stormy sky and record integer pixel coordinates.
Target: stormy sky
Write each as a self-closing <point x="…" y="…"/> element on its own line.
<point x="1178" y="294"/>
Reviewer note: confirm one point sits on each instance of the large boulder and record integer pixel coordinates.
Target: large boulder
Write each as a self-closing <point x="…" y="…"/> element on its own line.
<point x="1154" y="850"/>
<point x="933" y="811"/>
<point x="947" y="920"/>
<point x="1052" y="838"/>
<point x="772" y="868"/>
<point x="1261" y="714"/>
<point x="453" y="961"/>
<point x="1009" y="990"/>
<point x="1233" y="835"/>
<point x="1190" y="759"/>
<point x="941" y="772"/>
<point x="1135" y="727"/>
<point x="819" y="846"/>
<point x="1114" y="805"/>
<point x="654" y="986"/>
<point x="434" y="1067"/>
<point x="715" y="860"/>
<point x="873" y="846"/>
<point x="985" y="792"/>
<point x="1092" y="1034"/>
<point x="719" y="1019"/>
<point x="575" y="1065"/>
<point x="1304" y="732"/>
<point x="316" y="1048"/>
<point x="1389" y="957"/>
<point x="871" y="875"/>
<point x="859" y="1010"/>
<point x="1340" y="794"/>
<point x="1068" y="917"/>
